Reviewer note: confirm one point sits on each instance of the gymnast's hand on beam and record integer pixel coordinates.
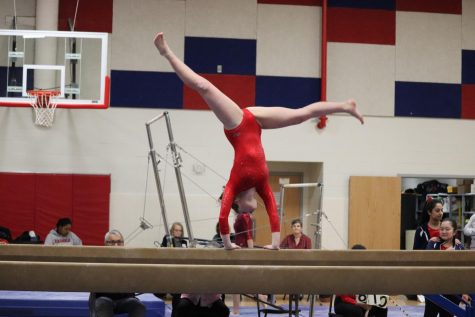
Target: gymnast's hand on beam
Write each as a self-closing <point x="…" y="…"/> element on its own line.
<point x="233" y="246"/>
<point x="228" y="245"/>
<point x="275" y="242"/>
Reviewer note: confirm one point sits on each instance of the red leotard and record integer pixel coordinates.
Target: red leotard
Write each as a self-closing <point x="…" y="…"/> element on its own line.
<point x="249" y="170"/>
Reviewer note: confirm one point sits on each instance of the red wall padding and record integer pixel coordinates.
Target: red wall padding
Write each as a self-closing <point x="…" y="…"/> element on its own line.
<point x="91" y="207"/>
<point x="30" y="201"/>
<point x="17" y="202"/>
<point x="54" y="194"/>
<point x="240" y="88"/>
<point x="92" y="15"/>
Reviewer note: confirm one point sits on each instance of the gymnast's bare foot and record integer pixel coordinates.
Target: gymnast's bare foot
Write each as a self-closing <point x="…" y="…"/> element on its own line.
<point x="161" y="44"/>
<point x="350" y="108"/>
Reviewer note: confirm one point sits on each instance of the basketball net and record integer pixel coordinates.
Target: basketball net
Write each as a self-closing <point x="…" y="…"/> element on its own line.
<point x="44" y="105"/>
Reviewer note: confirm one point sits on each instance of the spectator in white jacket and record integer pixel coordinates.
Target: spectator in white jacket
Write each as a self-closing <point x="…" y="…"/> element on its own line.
<point x="62" y="235"/>
<point x="469" y="230"/>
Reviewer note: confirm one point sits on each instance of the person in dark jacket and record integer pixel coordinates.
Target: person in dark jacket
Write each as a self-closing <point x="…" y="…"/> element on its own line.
<point x="177" y="237"/>
<point x="430" y="223"/>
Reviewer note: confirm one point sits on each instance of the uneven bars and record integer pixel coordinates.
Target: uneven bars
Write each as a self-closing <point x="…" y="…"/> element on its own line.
<point x="156" y="118"/>
<point x="301" y="185"/>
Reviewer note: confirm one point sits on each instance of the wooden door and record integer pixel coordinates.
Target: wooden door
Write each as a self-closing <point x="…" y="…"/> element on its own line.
<point x="375" y="212"/>
<point x="292" y="208"/>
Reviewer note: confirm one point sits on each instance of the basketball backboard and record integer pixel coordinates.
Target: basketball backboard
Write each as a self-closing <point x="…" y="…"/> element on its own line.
<point x="74" y="63"/>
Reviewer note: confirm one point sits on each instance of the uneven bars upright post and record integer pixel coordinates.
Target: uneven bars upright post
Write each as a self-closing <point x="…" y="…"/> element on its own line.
<point x="281" y="204"/>
<point x="319" y="233"/>
<point x="177" y="164"/>
<point x="152" y="154"/>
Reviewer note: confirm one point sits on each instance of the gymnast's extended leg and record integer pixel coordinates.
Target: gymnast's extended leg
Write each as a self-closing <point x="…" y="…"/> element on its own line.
<point x="279" y="117"/>
<point x="227" y="111"/>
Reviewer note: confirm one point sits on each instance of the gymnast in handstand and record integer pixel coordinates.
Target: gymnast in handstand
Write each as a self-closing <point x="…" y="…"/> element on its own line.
<point x="243" y="130"/>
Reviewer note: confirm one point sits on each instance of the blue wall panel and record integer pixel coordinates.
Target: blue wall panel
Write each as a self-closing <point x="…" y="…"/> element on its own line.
<point x="146" y="89"/>
<point x="364" y="4"/>
<point x="292" y="92"/>
<point x="236" y="56"/>
<point x="468" y="67"/>
<point x="431" y="100"/>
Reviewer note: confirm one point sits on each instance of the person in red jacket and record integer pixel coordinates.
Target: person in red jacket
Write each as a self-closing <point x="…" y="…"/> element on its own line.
<point x="296" y="240"/>
<point x="243" y="130"/>
<point x="243" y="230"/>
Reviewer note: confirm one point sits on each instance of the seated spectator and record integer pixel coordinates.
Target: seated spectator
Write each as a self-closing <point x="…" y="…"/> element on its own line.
<point x="347" y="306"/>
<point x="296" y="240"/>
<point x="5" y="235"/>
<point x="62" y="235"/>
<point x="109" y="304"/>
<point x="201" y="305"/>
<point x="446" y="242"/>
<point x="469" y="230"/>
<point x="176" y="235"/>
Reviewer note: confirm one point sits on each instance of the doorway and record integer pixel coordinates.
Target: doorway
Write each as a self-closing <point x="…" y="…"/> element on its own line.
<point x="292" y="207"/>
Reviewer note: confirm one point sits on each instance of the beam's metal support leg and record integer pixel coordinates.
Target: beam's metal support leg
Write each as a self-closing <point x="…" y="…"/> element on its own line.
<point x="311" y="308"/>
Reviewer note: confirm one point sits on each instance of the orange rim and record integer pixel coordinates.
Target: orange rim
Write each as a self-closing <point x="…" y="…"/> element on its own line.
<point x="41" y="92"/>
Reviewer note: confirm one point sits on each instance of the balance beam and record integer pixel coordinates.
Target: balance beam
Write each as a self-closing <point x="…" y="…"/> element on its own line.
<point x="233" y="279"/>
<point x="116" y="269"/>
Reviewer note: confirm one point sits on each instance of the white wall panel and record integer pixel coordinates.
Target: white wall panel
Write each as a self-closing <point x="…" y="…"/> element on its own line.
<point x="288" y="41"/>
<point x="134" y="26"/>
<point x="221" y="18"/>
<point x="428" y="47"/>
<point x="363" y="72"/>
<point x="468" y="24"/>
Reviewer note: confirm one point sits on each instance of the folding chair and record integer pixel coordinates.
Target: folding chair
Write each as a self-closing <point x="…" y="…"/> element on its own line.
<point x="276" y="309"/>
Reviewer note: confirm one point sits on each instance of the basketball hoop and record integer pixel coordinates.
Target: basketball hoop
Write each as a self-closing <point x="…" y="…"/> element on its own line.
<point x="44" y="104"/>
